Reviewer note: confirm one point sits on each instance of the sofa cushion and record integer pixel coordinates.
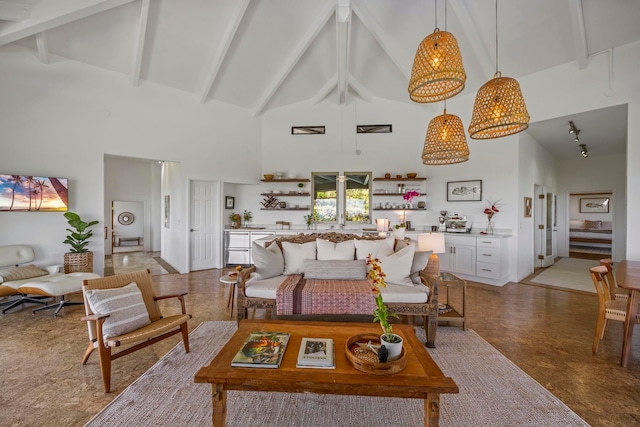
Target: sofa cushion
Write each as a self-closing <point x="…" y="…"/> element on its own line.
<point x="124" y="305"/>
<point x="329" y="250"/>
<point x="269" y="261"/>
<point x="376" y="248"/>
<point x="295" y="255"/>
<point x="23" y="272"/>
<point x="335" y="269"/>
<point x="576" y="223"/>
<point x="414" y="294"/>
<point x="267" y="288"/>
<point x="397" y="266"/>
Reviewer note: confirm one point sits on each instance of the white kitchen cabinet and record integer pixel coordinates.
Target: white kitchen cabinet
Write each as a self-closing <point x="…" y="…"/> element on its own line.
<point x="491" y="257"/>
<point x="460" y="255"/>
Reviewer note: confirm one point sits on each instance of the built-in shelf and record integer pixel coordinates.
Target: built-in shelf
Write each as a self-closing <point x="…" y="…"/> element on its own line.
<point x="284" y="209"/>
<point x="276" y="195"/>
<point x="400" y="179"/>
<point x="287" y="180"/>
<point x="395" y="194"/>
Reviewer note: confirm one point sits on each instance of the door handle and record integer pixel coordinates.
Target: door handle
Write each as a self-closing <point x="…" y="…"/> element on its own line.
<point x="193" y="229"/>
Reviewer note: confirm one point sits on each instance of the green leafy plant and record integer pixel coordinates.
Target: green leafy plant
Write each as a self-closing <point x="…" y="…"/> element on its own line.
<point x="402" y="224"/>
<point x="247" y="215"/>
<point x="380" y="314"/>
<point x="80" y="234"/>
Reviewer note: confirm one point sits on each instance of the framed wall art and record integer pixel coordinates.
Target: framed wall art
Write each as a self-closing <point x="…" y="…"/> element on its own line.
<point x="463" y="191"/>
<point x="23" y="193"/>
<point x="229" y="202"/>
<point x="528" y="206"/>
<point x="594" y="205"/>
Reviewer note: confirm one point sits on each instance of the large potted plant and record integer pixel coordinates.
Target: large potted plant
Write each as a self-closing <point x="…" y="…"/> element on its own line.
<point x="79" y="258"/>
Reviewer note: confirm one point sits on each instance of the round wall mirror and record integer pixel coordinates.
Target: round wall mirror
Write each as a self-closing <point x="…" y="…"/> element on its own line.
<point x="125" y="218"/>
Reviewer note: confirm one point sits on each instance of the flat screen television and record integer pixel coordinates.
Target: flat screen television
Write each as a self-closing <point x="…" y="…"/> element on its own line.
<point x="22" y="193"/>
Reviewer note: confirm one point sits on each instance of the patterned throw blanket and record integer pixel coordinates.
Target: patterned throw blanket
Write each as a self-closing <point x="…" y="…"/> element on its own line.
<point x="321" y="296"/>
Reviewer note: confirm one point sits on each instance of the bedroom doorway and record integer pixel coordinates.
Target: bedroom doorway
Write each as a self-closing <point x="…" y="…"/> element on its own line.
<point x="591" y="225"/>
<point x="545" y="220"/>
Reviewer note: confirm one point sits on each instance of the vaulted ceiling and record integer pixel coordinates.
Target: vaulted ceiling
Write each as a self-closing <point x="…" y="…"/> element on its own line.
<point x="263" y="54"/>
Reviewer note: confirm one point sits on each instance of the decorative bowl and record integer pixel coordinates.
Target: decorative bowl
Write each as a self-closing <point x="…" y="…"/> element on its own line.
<point x="268" y="176"/>
<point x="279" y="175"/>
<point x="412" y="175"/>
<point x="398" y="176"/>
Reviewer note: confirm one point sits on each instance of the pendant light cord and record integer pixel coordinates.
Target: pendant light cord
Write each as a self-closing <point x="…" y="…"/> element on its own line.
<point x="496" y="37"/>
<point x="436" y="17"/>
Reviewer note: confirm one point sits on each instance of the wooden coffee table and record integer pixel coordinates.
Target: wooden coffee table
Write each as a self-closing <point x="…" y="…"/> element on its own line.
<point x="420" y="379"/>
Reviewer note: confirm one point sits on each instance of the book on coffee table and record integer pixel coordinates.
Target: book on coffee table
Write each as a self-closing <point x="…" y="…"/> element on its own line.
<point x="316" y="353"/>
<point x="262" y="349"/>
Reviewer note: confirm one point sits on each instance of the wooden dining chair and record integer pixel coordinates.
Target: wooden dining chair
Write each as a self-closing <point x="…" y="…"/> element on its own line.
<point x="611" y="279"/>
<point x="608" y="308"/>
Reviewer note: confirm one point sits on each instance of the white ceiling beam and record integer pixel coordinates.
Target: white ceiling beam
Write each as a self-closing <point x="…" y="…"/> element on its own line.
<point x="360" y="89"/>
<point x="343" y="44"/>
<point x="43" y="47"/>
<point x="14" y="31"/>
<point x="579" y="33"/>
<point x="385" y="41"/>
<point x="325" y="90"/>
<point x="139" y="49"/>
<point x="294" y="57"/>
<point x="13" y="11"/>
<point x="470" y="29"/>
<point x="228" y="36"/>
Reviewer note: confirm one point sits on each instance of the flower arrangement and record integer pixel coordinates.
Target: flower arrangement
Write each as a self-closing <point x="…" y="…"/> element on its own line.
<point x="310" y="219"/>
<point x="235" y="220"/>
<point x="492" y="209"/>
<point x="380" y="314"/>
<point x="409" y="195"/>
<point x="247" y="215"/>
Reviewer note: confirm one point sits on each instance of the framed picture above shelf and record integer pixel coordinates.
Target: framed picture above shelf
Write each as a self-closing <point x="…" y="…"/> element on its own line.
<point x="286" y="194"/>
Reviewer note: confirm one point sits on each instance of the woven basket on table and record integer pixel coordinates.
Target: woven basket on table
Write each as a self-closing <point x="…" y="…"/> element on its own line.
<point x="78" y="262"/>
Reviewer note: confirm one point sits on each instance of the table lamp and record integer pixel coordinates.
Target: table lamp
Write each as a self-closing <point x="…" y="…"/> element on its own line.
<point x="432" y="242"/>
<point x="382" y="225"/>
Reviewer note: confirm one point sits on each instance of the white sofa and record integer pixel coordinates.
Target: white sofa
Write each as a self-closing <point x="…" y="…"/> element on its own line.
<point x="334" y="256"/>
<point x="33" y="284"/>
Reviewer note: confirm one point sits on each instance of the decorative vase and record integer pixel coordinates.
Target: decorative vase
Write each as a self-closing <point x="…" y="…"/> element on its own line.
<point x="398" y="233"/>
<point x="394" y="348"/>
<point x="489" y="229"/>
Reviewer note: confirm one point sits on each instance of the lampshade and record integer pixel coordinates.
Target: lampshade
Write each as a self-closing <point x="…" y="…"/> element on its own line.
<point x="445" y="142"/>
<point x="431" y="242"/>
<point x="499" y="109"/>
<point x="437" y="71"/>
<point x="382" y="225"/>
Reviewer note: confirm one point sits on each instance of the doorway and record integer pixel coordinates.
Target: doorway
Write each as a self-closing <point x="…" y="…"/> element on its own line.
<point x="545" y="222"/>
<point x="205" y="234"/>
<point x="127" y="226"/>
<point x="591" y="224"/>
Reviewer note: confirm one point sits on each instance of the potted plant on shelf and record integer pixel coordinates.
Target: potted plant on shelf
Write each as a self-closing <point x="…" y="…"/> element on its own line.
<point x="79" y="258"/>
<point x="235" y="219"/>
<point x="300" y="186"/>
<point x="391" y="342"/>
<point x="248" y="216"/>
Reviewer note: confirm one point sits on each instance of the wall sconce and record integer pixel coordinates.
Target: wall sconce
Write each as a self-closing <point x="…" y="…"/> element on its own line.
<point x="584" y="151"/>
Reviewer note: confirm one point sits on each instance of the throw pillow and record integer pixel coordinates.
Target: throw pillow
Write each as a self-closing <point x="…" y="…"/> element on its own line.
<point x="576" y="223"/>
<point x="335" y="269"/>
<point x="124" y="305"/>
<point x="269" y="261"/>
<point x="397" y="266"/>
<point x="420" y="260"/>
<point x="376" y="248"/>
<point x="592" y="225"/>
<point x="30" y="271"/>
<point x="295" y="255"/>
<point x="329" y="250"/>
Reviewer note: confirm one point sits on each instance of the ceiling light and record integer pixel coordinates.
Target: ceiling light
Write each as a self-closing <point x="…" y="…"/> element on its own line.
<point x="584" y="151"/>
<point x="445" y="142"/>
<point x="437" y="71"/>
<point x="499" y="109"/>
<point x="574" y="131"/>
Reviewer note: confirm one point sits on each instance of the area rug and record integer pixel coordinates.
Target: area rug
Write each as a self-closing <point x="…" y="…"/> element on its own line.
<point x="493" y="392"/>
<point x="568" y="273"/>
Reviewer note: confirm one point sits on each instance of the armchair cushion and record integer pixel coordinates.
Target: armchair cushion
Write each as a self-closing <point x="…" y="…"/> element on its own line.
<point x="124" y="305"/>
<point x="30" y="271"/>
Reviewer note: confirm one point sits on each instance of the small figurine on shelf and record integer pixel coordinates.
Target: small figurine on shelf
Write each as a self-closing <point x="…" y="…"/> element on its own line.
<point x="236" y="220"/>
<point x="247" y="217"/>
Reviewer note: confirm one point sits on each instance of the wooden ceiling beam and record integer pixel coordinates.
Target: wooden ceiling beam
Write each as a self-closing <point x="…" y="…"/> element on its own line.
<point x="294" y="57"/>
<point x="229" y="33"/>
<point x="325" y="90"/>
<point x="343" y="45"/>
<point x="579" y="33"/>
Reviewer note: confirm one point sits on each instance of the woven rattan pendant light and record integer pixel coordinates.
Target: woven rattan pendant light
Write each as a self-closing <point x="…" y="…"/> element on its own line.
<point x="499" y="109"/>
<point x="437" y="71"/>
<point x="445" y="142"/>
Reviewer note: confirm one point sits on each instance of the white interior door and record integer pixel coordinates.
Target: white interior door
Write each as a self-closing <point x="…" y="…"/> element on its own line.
<point x="545" y="220"/>
<point x="205" y="225"/>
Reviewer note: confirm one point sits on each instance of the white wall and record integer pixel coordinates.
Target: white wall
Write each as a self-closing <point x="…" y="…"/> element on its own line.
<point x="61" y="119"/>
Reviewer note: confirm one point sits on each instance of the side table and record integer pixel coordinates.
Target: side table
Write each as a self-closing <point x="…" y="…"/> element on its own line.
<point x="451" y="307"/>
<point x="231" y="280"/>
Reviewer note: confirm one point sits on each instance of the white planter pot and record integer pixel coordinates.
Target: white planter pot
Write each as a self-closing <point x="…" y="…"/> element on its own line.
<point x="398" y="233"/>
<point x="394" y="349"/>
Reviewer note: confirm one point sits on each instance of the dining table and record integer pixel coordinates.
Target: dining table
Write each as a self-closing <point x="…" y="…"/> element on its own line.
<point x="628" y="277"/>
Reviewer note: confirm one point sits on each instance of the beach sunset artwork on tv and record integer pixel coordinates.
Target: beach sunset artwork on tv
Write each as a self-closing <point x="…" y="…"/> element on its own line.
<point x="22" y="193"/>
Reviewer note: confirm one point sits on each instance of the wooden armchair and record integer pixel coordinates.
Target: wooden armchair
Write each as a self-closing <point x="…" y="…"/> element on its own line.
<point x="158" y="329"/>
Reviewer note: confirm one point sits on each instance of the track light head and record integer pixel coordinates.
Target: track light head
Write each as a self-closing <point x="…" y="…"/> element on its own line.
<point x="572" y="127"/>
<point x="584" y="151"/>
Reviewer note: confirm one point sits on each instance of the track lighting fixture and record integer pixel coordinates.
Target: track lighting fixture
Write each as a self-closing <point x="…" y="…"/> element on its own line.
<point x="574" y="130"/>
<point x="583" y="150"/>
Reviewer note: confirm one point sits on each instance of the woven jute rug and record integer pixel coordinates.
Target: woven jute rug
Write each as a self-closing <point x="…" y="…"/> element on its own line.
<point x="493" y="392"/>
